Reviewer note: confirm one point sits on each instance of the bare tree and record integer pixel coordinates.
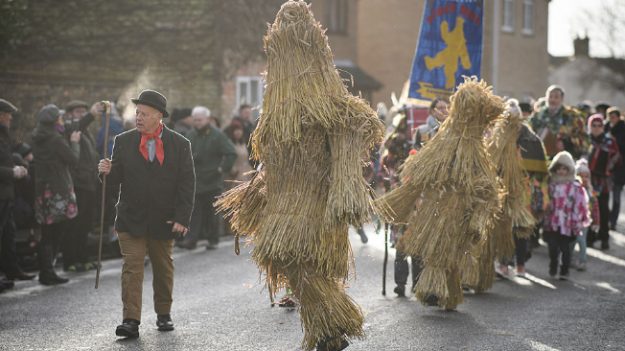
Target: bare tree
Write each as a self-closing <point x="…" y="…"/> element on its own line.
<point x="71" y="29"/>
<point x="243" y="24"/>
<point x="604" y="25"/>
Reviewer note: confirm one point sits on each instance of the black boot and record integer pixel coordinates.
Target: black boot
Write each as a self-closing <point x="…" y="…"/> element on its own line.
<point x="6" y="284"/>
<point x="20" y="275"/>
<point x="400" y="290"/>
<point x="47" y="275"/>
<point x="164" y="322"/>
<point x="128" y="329"/>
<point x="431" y="300"/>
<point x="332" y="344"/>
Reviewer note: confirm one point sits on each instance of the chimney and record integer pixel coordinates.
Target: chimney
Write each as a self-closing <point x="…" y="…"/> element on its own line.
<point x="581" y="47"/>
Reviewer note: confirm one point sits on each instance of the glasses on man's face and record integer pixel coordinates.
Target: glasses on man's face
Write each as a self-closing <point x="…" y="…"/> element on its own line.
<point x="596" y="125"/>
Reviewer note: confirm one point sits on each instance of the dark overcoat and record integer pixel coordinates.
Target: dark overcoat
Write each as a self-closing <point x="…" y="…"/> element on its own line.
<point x="152" y="194"/>
<point x="6" y="165"/>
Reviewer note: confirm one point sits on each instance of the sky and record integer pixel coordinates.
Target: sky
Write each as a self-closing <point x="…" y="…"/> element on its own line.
<point x="569" y="19"/>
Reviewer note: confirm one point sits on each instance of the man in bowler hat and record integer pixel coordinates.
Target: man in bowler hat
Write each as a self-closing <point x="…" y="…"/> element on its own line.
<point x="154" y="168"/>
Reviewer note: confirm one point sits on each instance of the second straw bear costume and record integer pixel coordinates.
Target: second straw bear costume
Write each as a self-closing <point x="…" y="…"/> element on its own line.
<point x="459" y="191"/>
<point x="311" y="139"/>
<point x="515" y="217"/>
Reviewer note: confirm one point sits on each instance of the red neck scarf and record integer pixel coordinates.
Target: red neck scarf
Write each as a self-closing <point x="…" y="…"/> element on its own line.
<point x="160" y="151"/>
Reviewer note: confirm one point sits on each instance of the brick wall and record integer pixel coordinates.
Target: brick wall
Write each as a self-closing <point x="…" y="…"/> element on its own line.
<point x="111" y="50"/>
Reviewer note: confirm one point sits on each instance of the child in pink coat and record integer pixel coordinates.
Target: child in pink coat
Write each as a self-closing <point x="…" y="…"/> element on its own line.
<point x="583" y="174"/>
<point x="567" y="215"/>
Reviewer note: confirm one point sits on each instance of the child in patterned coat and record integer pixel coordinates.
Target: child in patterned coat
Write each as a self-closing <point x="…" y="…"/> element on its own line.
<point x="567" y="215"/>
<point x="583" y="173"/>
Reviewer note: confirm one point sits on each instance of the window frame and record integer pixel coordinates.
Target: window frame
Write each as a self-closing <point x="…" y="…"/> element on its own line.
<point x="528" y="16"/>
<point x="337" y="16"/>
<point x="247" y="80"/>
<point x="507" y="27"/>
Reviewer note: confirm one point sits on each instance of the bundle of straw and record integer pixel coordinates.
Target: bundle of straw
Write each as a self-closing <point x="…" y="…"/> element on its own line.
<point x="478" y="273"/>
<point x="458" y="185"/>
<point x="515" y="216"/>
<point x="506" y="154"/>
<point x="312" y="139"/>
<point x="243" y="205"/>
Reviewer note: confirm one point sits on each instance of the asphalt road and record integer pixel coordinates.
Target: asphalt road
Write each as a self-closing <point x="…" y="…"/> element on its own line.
<point x="219" y="304"/>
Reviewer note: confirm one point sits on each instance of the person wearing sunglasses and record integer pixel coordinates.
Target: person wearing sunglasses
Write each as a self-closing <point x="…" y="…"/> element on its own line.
<point x="603" y="158"/>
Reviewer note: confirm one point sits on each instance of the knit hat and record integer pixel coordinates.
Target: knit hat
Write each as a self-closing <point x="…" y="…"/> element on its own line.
<point x="565" y="159"/>
<point x="512" y="106"/>
<point x="614" y="109"/>
<point x="48" y="114"/>
<point x="581" y="166"/>
<point x="595" y="117"/>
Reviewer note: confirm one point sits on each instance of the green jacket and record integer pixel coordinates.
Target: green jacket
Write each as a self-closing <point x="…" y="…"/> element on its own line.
<point x="567" y="125"/>
<point x="213" y="156"/>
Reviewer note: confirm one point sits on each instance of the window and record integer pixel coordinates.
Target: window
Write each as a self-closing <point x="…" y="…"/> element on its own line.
<point x="249" y="91"/>
<point x="337" y="16"/>
<point x="508" y="16"/>
<point x="528" y="17"/>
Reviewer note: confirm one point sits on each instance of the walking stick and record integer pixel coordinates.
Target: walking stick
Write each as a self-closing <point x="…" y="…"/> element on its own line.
<point x="106" y="115"/>
<point x="387" y="188"/>
<point x="386" y="225"/>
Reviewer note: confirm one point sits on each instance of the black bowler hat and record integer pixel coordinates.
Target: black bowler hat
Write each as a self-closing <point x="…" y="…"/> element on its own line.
<point x="153" y="99"/>
<point x="6" y="106"/>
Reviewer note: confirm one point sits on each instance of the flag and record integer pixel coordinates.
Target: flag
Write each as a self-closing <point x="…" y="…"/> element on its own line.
<point x="449" y="47"/>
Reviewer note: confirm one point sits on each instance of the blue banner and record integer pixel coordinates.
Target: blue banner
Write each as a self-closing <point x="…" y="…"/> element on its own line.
<point x="449" y="47"/>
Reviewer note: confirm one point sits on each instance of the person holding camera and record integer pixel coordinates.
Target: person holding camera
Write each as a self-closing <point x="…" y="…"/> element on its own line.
<point x="85" y="177"/>
<point x="55" y="200"/>
<point x="9" y="174"/>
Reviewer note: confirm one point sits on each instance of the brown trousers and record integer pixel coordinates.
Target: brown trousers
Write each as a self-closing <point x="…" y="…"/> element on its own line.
<point x="133" y="251"/>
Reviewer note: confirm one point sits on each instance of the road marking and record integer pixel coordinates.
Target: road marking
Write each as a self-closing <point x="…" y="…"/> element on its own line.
<point x="608" y="287"/>
<point x="605" y="257"/>
<point x="617" y="238"/>
<point x="522" y="281"/>
<point x="539" y="281"/>
<point x="539" y="346"/>
<point x="109" y="268"/>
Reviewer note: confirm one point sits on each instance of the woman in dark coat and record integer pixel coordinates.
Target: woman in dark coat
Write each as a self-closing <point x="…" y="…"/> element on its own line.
<point x="616" y="127"/>
<point x="604" y="157"/>
<point x="55" y="200"/>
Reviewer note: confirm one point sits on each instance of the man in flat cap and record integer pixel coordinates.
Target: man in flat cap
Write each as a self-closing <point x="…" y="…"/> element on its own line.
<point x="9" y="172"/>
<point x="154" y="168"/>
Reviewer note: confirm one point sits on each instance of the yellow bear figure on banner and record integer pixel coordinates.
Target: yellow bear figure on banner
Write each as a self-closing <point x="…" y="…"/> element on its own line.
<point x="448" y="57"/>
